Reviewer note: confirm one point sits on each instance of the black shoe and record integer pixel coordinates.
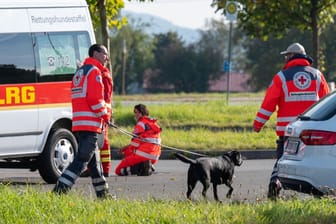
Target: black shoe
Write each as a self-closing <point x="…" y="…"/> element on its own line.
<point x="60" y="188"/>
<point x="135" y="169"/>
<point x="107" y="196"/>
<point x="145" y="168"/>
<point x="274" y="188"/>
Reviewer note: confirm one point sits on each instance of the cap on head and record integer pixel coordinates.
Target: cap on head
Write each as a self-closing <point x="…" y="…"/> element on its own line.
<point x="295" y="48"/>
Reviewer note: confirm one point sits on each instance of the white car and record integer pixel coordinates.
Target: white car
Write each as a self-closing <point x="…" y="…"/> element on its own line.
<point x="308" y="164"/>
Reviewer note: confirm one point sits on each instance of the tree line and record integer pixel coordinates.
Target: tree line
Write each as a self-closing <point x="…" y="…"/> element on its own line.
<point x="165" y="63"/>
<point x="263" y="29"/>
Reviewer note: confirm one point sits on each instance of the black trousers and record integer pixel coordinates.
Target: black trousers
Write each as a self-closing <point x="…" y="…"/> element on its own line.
<point x="279" y="152"/>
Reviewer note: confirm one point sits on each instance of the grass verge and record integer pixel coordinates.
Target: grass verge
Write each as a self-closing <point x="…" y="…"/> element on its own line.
<point x="30" y="206"/>
<point x="198" y="124"/>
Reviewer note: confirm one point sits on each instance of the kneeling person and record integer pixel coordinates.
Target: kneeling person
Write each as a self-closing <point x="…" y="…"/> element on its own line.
<point x="144" y="150"/>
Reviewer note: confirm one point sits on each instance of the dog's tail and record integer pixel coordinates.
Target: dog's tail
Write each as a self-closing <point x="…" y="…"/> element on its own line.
<point x="185" y="159"/>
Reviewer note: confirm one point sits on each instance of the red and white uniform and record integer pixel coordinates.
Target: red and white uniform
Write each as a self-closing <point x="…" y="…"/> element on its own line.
<point x="145" y="147"/>
<point x="88" y="107"/>
<point x="292" y="91"/>
<point x="105" y="152"/>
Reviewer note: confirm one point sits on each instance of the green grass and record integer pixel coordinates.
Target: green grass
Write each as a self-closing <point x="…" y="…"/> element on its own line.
<point x="31" y="206"/>
<point x="201" y="122"/>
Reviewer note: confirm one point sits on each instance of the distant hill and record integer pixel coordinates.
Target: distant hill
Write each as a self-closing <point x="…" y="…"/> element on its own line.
<point x="155" y="25"/>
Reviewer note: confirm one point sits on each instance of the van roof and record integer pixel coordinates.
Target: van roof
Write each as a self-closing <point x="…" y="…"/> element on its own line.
<point x="40" y="3"/>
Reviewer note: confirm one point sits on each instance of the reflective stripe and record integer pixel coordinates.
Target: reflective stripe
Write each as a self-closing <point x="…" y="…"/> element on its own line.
<point x="318" y="81"/>
<point x="140" y="123"/>
<point x="98" y="106"/>
<point x="102" y="113"/>
<point x="98" y="180"/>
<point x="108" y="105"/>
<point x="76" y="90"/>
<point x="285" y="119"/>
<point x="265" y="112"/>
<point x="134" y="144"/>
<point x="146" y="155"/>
<point x="261" y="120"/>
<point x="86" y="123"/>
<point x="84" y="114"/>
<point x="70" y="174"/>
<point x="65" y="181"/>
<point x="105" y="160"/>
<point x="102" y="187"/>
<point x="104" y="151"/>
<point x="151" y="140"/>
<point x="280" y="128"/>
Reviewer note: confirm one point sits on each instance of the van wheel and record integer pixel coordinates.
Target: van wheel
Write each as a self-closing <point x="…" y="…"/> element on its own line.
<point x="58" y="153"/>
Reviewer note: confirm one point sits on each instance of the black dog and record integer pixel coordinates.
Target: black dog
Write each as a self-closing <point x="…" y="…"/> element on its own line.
<point x="217" y="170"/>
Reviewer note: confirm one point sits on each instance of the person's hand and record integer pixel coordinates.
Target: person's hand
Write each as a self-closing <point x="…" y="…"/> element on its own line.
<point x="106" y="118"/>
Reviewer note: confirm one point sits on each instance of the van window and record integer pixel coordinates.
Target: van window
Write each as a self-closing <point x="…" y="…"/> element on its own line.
<point x="16" y="58"/>
<point x="58" y="54"/>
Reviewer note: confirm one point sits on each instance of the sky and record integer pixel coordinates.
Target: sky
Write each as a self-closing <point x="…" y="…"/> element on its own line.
<point x="186" y="13"/>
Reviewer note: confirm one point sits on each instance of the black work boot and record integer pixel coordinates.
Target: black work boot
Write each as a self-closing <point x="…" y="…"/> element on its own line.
<point x="105" y="195"/>
<point x="61" y="188"/>
<point x="274" y="188"/>
<point x="135" y="169"/>
<point x="145" y="168"/>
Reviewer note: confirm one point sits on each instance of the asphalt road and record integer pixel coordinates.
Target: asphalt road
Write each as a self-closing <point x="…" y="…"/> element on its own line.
<point x="169" y="182"/>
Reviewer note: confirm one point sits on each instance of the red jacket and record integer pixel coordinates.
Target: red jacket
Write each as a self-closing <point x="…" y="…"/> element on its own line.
<point x="88" y="105"/>
<point x="148" y="143"/>
<point x="292" y="91"/>
<point x="108" y="89"/>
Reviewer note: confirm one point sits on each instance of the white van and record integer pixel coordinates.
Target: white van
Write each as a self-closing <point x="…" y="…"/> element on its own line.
<point x="40" y="43"/>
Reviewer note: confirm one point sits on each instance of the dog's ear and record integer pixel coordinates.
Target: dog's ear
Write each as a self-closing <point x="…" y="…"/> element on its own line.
<point x="237" y="158"/>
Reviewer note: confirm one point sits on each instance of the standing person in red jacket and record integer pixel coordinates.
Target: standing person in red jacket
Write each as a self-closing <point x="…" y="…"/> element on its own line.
<point x="105" y="151"/>
<point x="293" y="89"/>
<point x="89" y="115"/>
<point x="145" y="149"/>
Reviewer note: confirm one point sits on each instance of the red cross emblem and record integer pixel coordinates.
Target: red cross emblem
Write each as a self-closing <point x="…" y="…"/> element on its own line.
<point x="302" y="80"/>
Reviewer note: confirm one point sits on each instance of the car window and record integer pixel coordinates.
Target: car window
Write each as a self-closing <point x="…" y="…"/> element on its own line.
<point x="322" y="110"/>
<point x="16" y="59"/>
<point x="58" y="54"/>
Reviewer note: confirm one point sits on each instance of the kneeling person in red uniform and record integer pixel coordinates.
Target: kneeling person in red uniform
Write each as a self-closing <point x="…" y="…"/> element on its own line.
<point x="144" y="150"/>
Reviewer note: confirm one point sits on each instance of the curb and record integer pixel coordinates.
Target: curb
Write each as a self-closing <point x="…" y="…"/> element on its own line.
<point x="247" y="154"/>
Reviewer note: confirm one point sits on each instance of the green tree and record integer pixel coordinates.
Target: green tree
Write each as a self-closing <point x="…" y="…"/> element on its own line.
<point x="264" y="59"/>
<point x="328" y="40"/>
<point x="169" y="62"/>
<point x="263" y="18"/>
<point x="139" y="55"/>
<point x="105" y="15"/>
